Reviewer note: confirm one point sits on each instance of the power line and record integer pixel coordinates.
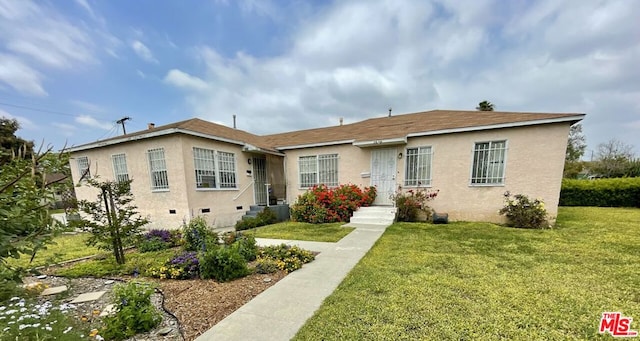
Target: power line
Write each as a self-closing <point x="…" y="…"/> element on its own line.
<point x="47" y="110"/>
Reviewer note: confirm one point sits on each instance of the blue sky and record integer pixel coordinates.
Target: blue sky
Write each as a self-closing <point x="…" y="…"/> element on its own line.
<point x="70" y="69"/>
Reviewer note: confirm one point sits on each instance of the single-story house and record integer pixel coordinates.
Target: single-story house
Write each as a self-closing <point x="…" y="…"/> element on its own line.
<point x="196" y="167"/>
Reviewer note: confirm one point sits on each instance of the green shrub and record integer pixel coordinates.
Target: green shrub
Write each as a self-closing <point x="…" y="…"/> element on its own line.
<point x="223" y="264"/>
<point x="618" y="192"/>
<point x="523" y="212"/>
<point x="287" y="258"/>
<point x="198" y="236"/>
<point x="266" y="265"/>
<point x="246" y="224"/>
<point x="134" y="311"/>
<point x="412" y="202"/>
<point x="266" y="217"/>
<point x="152" y="244"/>
<point x="246" y="246"/>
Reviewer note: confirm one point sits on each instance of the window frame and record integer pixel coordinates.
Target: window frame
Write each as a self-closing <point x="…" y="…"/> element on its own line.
<point x="222" y="164"/>
<point x="503" y="177"/>
<point x="417" y="182"/>
<point x="164" y="170"/>
<point x="123" y="164"/>
<point x="81" y="169"/>
<point x="317" y="161"/>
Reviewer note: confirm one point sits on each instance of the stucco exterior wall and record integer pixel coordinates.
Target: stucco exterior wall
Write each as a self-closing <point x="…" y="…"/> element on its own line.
<point x="154" y="205"/>
<point x="226" y="205"/>
<point x="534" y="163"/>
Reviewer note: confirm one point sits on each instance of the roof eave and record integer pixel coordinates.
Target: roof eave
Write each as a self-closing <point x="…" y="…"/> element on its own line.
<point x="572" y="119"/>
<point x="312" y="145"/>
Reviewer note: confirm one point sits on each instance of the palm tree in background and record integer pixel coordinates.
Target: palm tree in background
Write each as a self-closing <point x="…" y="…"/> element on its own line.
<point x="485" y="106"/>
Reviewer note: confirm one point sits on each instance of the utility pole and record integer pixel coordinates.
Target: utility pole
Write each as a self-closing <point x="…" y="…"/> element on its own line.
<point x="121" y="121"/>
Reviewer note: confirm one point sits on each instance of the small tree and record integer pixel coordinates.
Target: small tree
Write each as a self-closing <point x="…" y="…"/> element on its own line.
<point x="114" y="221"/>
<point x="576" y="146"/>
<point x="25" y="197"/>
<point x="613" y="159"/>
<point x="485" y="106"/>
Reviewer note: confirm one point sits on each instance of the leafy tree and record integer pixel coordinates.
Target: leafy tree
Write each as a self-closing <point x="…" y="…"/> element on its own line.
<point x="485" y="106"/>
<point x="112" y="219"/>
<point x="576" y="145"/>
<point x="25" y="197"/>
<point x="614" y="159"/>
<point x="10" y="144"/>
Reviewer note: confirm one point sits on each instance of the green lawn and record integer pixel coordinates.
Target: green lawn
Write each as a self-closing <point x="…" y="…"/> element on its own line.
<point x="107" y="266"/>
<point x="332" y="232"/>
<point x="66" y="247"/>
<point x="483" y="281"/>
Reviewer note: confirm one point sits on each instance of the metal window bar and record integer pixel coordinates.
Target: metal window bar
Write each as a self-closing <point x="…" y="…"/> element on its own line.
<point x="227" y="169"/>
<point x="120" y="172"/>
<point x="308" y="168"/>
<point x="204" y="165"/>
<point x="328" y="169"/>
<point x="158" y="169"/>
<point x="418" y="167"/>
<point x="83" y="166"/>
<point x="488" y="162"/>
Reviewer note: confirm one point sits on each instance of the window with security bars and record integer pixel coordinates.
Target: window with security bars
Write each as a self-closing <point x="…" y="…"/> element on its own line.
<point x="205" y="167"/>
<point x="318" y="169"/>
<point x="120" y="167"/>
<point x="489" y="163"/>
<point x="158" y="169"/>
<point x="227" y="169"/>
<point x="418" y="167"/>
<point x="83" y="168"/>
<point x="214" y="169"/>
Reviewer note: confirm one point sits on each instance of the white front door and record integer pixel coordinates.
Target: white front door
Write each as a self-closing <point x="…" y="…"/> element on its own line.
<point x="383" y="174"/>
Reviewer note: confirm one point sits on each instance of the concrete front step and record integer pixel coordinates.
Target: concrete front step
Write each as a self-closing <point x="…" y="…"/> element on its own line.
<point x="375" y="215"/>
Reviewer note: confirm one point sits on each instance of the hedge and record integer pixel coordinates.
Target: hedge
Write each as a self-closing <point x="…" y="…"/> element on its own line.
<point x="616" y="192"/>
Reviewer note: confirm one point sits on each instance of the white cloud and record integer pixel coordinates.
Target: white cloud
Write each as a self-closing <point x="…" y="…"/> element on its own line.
<point x="143" y="51"/>
<point x="37" y="38"/>
<point x="91" y="107"/>
<point x="24" y="122"/>
<point x="20" y="76"/>
<point x="93" y="123"/>
<point x="355" y="59"/>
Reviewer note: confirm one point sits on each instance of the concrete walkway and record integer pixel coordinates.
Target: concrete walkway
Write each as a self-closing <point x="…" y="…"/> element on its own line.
<point x="280" y="311"/>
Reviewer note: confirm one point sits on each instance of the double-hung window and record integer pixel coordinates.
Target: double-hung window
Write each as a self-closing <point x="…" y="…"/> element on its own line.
<point x="120" y="167"/>
<point x="418" y="167"/>
<point x="158" y="169"/>
<point x="318" y="169"/>
<point x="214" y="169"/>
<point x="83" y="168"/>
<point x="489" y="163"/>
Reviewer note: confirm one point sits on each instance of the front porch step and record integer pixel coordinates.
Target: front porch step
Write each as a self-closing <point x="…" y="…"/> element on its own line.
<point x="375" y="215"/>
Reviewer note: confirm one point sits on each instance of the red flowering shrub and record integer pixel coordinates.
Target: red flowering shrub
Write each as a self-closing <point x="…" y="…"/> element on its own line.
<point x="411" y="202"/>
<point x="321" y="204"/>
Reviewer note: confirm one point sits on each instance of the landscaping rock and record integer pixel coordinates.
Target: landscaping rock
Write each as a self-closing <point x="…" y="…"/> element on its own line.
<point x="88" y="297"/>
<point x="164" y="331"/>
<point x="54" y="290"/>
<point x="267" y="280"/>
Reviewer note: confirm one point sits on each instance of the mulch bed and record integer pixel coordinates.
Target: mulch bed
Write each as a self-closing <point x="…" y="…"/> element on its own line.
<point x="189" y="307"/>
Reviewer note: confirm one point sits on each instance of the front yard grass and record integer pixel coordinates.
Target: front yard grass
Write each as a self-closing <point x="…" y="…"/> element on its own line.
<point x="107" y="266"/>
<point x="66" y="247"/>
<point x="484" y="281"/>
<point x="331" y="232"/>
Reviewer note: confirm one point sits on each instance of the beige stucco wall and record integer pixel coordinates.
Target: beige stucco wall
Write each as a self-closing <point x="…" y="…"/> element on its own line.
<point x="226" y="206"/>
<point x="153" y="205"/>
<point x="534" y="163"/>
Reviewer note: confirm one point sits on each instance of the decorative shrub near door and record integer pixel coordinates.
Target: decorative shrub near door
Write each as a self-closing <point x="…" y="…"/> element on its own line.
<point x="413" y="202"/>
<point x="321" y="204"/>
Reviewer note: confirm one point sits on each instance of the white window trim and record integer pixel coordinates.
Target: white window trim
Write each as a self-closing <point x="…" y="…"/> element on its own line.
<point x="216" y="170"/>
<point x="317" y="179"/>
<point x="504" y="169"/>
<point x="113" y="165"/>
<point x="166" y="170"/>
<point x="406" y="164"/>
